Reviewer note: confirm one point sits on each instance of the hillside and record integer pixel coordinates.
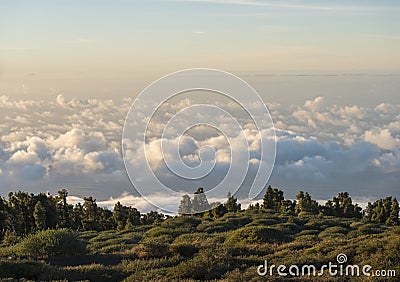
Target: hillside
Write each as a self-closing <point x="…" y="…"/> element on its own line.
<point x="228" y="248"/>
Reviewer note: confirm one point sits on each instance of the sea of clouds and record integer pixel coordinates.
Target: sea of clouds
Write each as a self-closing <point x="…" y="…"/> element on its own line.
<point x="76" y="144"/>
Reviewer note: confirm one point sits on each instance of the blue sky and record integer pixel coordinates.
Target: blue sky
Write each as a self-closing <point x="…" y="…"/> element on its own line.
<point x="102" y="45"/>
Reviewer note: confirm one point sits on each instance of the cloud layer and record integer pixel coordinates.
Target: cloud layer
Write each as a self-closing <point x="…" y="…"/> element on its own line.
<point x="321" y="148"/>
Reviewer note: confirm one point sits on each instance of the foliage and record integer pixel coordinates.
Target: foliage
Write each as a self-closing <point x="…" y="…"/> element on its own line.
<point x="257" y="235"/>
<point x="51" y="243"/>
<point x="224" y="246"/>
<point x="153" y="247"/>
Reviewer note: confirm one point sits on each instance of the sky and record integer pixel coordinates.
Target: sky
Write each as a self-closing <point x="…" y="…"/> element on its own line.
<point x="328" y="71"/>
<point x="107" y="48"/>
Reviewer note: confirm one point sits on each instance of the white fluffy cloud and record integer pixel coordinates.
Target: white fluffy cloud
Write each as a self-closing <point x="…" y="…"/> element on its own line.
<point x="76" y="144"/>
<point x="384" y="139"/>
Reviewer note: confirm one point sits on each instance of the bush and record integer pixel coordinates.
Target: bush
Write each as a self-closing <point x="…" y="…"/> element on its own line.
<point x="23" y="269"/>
<point x="257" y="235"/>
<point x="216" y="226"/>
<point x="153" y="247"/>
<point x="183" y="249"/>
<point x="206" y="265"/>
<point x="238" y="221"/>
<point x="264" y="221"/>
<point x="10" y="238"/>
<point x="51" y="243"/>
<point x="181" y="221"/>
<point x="161" y="231"/>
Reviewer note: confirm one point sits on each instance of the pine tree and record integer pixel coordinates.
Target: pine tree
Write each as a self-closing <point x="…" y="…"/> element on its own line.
<point x="133" y="216"/>
<point x="273" y="199"/>
<point x="120" y="216"/>
<point x="231" y="204"/>
<point x="306" y="204"/>
<point x="394" y="213"/>
<point x="200" y="203"/>
<point x="379" y="213"/>
<point x="77" y="216"/>
<point x="3" y="217"/>
<point x="185" y="207"/>
<point x="368" y="212"/>
<point x="90" y="214"/>
<point x="22" y="205"/>
<point x="63" y="209"/>
<point x="39" y="214"/>
<point x="268" y="200"/>
<point x="288" y="207"/>
<point x="218" y="210"/>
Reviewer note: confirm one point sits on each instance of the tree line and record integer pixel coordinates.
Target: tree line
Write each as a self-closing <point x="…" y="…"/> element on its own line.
<point x="384" y="211"/>
<point x="24" y="213"/>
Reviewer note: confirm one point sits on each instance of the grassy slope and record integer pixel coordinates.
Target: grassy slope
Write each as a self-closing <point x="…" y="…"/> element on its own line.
<point x="228" y="249"/>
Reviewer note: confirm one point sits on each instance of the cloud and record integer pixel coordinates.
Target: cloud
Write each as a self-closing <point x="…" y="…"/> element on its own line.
<point x="73" y="143"/>
<point x="383" y="139"/>
<point x="314" y="105"/>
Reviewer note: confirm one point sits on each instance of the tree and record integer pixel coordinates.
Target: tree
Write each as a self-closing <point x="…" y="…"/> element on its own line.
<point x="273" y="199"/>
<point x="231" y="204"/>
<point x="368" y="212"/>
<point x="185" y="207"/>
<point x="125" y="216"/>
<point x="288" y="207"/>
<point x="383" y="211"/>
<point x="39" y="214"/>
<point x="218" y="210"/>
<point x="120" y="216"/>
<point x="3" y="217"/>
<point x="268" y="200"/>
<point x="133" y="216"/>
<point x="77" y="216"/>
<point x="379" y="214"/>
<point x="342" y="206"/>
<point x="22" y="205"/>
<point x="200" y="203"/>
<point x="152" y="217"/>
<point x="90" y="214"/>
<point x="63" y="209"/>
<point x="306" y="204"/>
<point x="394" y="213"/>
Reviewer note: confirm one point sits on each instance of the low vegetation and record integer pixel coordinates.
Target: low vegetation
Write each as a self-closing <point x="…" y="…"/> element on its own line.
<point x="225" y="244"/>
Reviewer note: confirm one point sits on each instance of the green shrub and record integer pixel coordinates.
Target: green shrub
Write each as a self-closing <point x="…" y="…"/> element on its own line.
<point x="370" y="228"/>
<point x="183" y="249"/>
<point x="193" y="238"/>
<point x="160" y="231"/>
<point x="181" y="221"/>
<point x="153" y="247"/>
<point x="10" y="238"/>
<point x="288" y="228"/>
<point x="51" y="243"/>
<point x="236" y="220"/>
<point x="216" y="226"/>
<point x="264" y="222"/>
<point x="308" y="232"/>
<point x="206" y="265"/>
<point x="256" y="235"/>
<point x="92" y="272"/>
<point x="23" y="269"/>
